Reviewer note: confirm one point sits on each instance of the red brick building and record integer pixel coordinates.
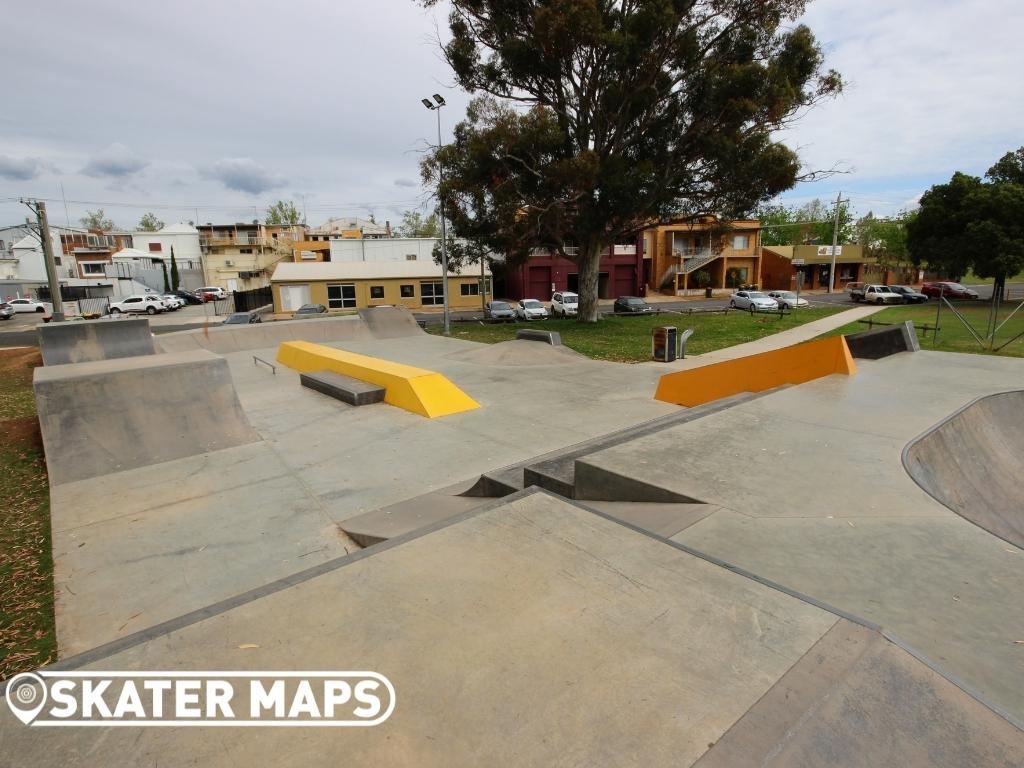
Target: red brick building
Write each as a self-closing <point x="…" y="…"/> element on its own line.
<point x="621" y="274"/>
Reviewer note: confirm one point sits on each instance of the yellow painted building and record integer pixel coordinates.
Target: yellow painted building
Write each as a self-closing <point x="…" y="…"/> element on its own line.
<point x="361" y="284"/>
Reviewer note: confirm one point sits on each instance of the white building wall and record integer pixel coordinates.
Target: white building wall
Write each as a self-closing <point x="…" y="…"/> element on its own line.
<point x="185" y="243"/>
<point x="388" y="249"/>
<point x="31" y="262"/>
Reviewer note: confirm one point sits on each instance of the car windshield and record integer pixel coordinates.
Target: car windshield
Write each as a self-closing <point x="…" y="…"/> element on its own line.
<point x="955" y="286"/>
<point x="785" y="294"/>
<point x="570" y="298"/>
<point x="499" y="305"/>
<point x="757" y="295"/>
<point x="530" y="304"/>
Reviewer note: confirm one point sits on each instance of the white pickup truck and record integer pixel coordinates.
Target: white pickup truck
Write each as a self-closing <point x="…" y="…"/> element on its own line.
<point x="874" y="294"/>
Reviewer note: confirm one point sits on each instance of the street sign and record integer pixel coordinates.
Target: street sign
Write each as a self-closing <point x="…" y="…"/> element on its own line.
<point x="798" y="262"/>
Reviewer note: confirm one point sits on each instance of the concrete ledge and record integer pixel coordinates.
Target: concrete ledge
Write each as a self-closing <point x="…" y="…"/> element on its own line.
<point x="415" y="389"/>
<point x="111" y="415"/>
<point x="344" y="388"/>
<point x="83" y="341"/>
<point x="554" y="338"/>
<point x="877" y="343"/>
<point x="756" y="373"/>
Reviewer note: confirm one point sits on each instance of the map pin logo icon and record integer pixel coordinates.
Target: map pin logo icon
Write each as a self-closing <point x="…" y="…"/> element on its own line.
<point x="26" y="695"/>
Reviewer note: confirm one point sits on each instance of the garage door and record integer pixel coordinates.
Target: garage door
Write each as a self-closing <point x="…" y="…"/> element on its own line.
<point x="624" y="285"/>
<point x="538" y="284"/>
<point x="293" y="297"/>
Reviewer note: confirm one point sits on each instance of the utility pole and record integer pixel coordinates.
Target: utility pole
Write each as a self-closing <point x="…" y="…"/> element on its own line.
<point x="835" y="242"/>
<point x="56" y="300"/>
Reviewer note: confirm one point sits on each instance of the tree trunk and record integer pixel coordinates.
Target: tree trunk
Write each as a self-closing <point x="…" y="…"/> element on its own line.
<point x="590" y="269"/>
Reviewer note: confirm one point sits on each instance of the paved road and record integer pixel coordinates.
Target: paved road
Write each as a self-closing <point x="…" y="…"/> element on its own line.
<point x="20" y="329"/>
<point x="816" y="299"/>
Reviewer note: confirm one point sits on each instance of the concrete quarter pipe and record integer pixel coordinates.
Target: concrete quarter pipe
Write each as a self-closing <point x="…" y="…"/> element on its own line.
<point x="973" y="463"/>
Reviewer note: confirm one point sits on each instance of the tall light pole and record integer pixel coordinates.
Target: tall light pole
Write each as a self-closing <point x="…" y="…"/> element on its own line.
<point x="435" y="106"/>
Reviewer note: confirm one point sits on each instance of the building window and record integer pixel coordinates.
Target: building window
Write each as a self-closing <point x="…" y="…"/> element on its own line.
<point x="156" y="247"/>
<point x="432" y="293"/>
<point x="410" y="257"/>
<point x="245" y="250"/>
<point x="341" y="296"/>
<point x="92" y="268"/>
<point x="470" y="289"/>
<point x="408" y="291"/>
<point x="740" y="242"/>
<point x="376" y="291"/>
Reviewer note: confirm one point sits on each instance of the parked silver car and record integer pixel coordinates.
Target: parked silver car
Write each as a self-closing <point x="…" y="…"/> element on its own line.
<point x="499" y="311"/>
<point x="788" y="299"/>
<point x="755" y="301"/>
<point x="531" y="309"/>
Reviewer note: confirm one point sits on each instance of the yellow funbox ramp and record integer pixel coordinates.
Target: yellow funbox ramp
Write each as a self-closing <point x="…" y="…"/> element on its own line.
<point x="418" y="390"/>
<point x="756" y="373"/>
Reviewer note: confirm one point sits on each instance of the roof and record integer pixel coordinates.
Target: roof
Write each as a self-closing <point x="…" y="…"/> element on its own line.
<point x="289" y="271"/>
<point x="175" y="229"/>
<point x="814" y="254"/>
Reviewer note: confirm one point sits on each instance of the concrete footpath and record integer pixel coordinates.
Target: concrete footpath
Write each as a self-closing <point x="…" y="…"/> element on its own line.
<point x="779" y="340"/>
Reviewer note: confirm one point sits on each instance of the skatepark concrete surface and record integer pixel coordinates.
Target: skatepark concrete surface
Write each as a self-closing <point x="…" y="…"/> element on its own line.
<point x="814" y="496"/>
<point x="534" y="632"/>
<point x="757" y="581"/>
<point x="194" y="530"/>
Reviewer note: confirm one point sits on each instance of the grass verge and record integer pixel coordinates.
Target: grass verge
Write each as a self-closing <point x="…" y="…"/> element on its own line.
<point x="27" y="634"/>
<point x="953" y="336"/>
<point x="627" y="339"/>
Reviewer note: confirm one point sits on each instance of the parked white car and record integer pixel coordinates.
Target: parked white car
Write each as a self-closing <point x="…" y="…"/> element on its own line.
<point x="755" y="301"/>
<point x="564" y="304"/>
<point x="172" y="301"/>
<point x="788" y="299"/>
<point x="881" y="294"/>
<point x="28" y="305"/>
<point x="149" y="303"/>
<point x="531" y="309"/>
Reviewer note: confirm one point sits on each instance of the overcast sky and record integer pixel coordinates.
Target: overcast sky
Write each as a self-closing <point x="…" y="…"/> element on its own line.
<point x="225" y="107"/>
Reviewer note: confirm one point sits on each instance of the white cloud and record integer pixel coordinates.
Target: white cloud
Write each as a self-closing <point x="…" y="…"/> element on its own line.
<point x="406" y="182"/>
<point x="931" y="86"/>
<point x="116" y="160"/>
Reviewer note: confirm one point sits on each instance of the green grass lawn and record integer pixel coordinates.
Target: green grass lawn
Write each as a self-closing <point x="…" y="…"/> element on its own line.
<point x="627" y="339"/>
<point x="27" y="636"/>
<point x="952" y="336"/>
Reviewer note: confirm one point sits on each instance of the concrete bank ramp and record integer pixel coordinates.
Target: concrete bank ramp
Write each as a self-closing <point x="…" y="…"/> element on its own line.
<point x="83" y="341"/>
<point x="973" y="462"/>
<point x="796" y="364"/>
<point x="567" y="639"/>
<point x="223" y="339"/>
<point x="110" y="415"/>
<point x="518" y="352"/>
<point x="856" y="699"/>
<point x="390" y="322"/>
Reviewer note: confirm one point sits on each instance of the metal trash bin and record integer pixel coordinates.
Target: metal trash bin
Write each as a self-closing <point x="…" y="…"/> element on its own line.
<point x="663" y="344"/>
